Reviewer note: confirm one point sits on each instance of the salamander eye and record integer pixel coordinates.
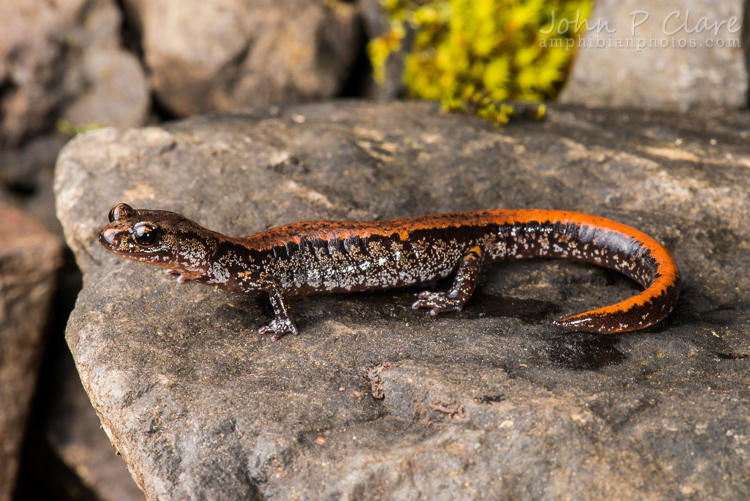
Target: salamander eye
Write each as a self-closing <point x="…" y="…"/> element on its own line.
<point x="145" y="234"/>
<point x="119" y="211"/>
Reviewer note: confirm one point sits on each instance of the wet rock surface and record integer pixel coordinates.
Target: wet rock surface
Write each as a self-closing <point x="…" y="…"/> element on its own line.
<point x="375" y="400"/>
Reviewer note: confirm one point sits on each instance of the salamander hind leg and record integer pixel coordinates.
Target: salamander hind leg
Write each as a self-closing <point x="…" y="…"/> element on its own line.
<point x="283" y="321"/>
<point x="461" y="290"/>
<point x="278" y="327"/>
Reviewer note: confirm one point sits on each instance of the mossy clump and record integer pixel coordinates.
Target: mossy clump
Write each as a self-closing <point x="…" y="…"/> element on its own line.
<point x="72" y="130"/>
<point x="475" y="53"/>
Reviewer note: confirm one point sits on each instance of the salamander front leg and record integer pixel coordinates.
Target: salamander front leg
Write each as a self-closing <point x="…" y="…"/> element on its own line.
<point x="461" y="290"/>
<point x="284" y="321"/>
<point x="180" y="279"/>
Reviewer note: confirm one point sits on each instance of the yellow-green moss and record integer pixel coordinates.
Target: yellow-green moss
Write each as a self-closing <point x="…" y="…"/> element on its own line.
<point x="70" y="129"/>
<point x="474" y="53"/>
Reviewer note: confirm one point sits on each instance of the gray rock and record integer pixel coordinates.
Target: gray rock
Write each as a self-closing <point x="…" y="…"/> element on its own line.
<point x="676" y="54"/>
<point x="59" y="62"/>
<point x="116" y="93"/>
<point x="63" y="60"/>
<point x="206" y="56"/>
<point x="375" y="400"/>
<point x="30" y="65"/>
<point x="29" y="259"/>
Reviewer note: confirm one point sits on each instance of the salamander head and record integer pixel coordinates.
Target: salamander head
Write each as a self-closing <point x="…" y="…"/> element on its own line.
<point x="161" y="238"/>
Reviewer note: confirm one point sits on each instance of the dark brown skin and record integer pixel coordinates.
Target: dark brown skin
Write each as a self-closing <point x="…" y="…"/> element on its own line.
<point x="334" y="257"/>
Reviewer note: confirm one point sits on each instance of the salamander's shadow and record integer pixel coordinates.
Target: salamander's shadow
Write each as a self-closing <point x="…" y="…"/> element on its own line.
<point x="396" y="303"/>
<point x="576" y="351"/>
<point x="584" y="352"/>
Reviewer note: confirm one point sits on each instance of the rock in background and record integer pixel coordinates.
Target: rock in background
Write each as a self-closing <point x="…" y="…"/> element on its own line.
<point x="670" y="54"/>
<point x="64" y="60"/>
<point x="205" y="56"/>
<point x="29" y="260"/>
<point x="375" y="400"/>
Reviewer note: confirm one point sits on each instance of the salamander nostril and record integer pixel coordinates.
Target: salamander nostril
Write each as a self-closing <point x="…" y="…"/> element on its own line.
<point x="108" y="236"/>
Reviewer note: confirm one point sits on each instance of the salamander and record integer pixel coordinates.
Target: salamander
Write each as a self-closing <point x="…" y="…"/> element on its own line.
<point x="343" y="256"/>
